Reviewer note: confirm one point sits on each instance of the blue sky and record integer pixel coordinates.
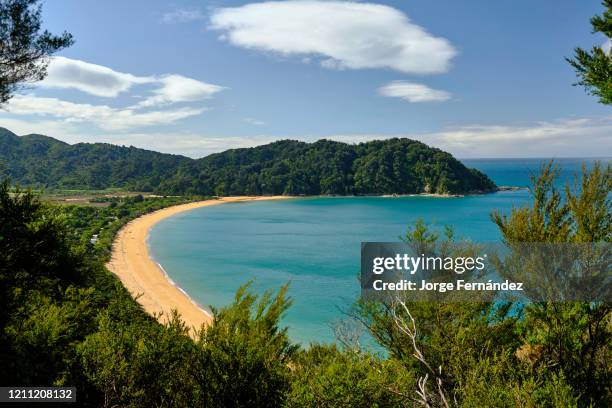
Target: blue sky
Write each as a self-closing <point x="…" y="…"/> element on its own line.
<point x="476" y="78"/>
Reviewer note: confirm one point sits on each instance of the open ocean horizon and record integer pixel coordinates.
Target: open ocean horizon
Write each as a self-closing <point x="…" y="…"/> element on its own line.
<point x="314" y="243"/>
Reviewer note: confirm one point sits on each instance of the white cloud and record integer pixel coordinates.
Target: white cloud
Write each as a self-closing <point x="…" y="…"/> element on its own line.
<point x="102" y="81"/>
<point x="177" y="88"/>
<point x="102" y="116"/>
<point x="54" y="128"/>
<point x="607" y="46"/>
<point x="574" y="137"/>
<point x="93" y="79"/>
<point x="188" y="144"/>
<point x="254" y="121"/>
<point x="413" y="92"/>
<point x="185" y="143"/>
<point x="182" y="16"/>
<point x="345" y="34"/>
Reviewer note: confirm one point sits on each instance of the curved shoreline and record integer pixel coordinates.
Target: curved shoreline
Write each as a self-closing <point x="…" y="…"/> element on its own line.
<point x="146" y="280"/>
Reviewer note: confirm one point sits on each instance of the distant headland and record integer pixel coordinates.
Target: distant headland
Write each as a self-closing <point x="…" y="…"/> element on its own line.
<point x="286" y="167"/>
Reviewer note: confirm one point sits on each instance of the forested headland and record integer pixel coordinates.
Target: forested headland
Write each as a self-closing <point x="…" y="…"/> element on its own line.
<point x="286" y="167"/>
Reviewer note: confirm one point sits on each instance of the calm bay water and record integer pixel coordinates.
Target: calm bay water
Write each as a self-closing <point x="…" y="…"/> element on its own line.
<point x="314" y="243"/>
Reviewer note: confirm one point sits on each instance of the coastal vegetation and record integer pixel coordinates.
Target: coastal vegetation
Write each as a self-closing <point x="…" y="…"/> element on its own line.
<point x="286" y="167"/>
<point x="67" y="321"/>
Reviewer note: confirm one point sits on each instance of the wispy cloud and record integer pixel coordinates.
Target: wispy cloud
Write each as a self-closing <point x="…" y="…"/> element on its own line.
<point x="101" y="81"/>
<point x="101" y="116"/>
<point x="187" y="143"/>
<point x="345" y="35"/>
<point x="98" y="80"/>
<point x="578" y="137"/>
<point x="177" y="88"/>
<point x="413" y="92"/>
<point x="254" y="121"/>
<point x="182" y="16"/>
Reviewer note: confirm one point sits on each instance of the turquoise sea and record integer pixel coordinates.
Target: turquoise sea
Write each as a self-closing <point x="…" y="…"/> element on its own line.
<point x="314" y="243"/>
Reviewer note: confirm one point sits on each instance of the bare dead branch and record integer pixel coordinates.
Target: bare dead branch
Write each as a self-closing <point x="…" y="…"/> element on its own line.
<point x="409" y="329"/>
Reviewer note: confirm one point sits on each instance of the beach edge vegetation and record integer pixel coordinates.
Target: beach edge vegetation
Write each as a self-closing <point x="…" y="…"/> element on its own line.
<point x="66" y="320"/>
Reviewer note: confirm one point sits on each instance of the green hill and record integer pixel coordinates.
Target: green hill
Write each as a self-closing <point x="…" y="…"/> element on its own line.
<point x="394" y="166"/>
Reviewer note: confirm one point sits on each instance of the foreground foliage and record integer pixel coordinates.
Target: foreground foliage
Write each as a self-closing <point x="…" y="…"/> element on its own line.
<point x="594" y="67"/>
<point x="24" y="47"/>
<point x="66" y="321"/>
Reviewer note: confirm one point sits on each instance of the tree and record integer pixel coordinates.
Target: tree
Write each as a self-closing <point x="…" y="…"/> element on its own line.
<point x="24" y="48"/>
<point x="506" y="354"/>
<point x="594" y="68"/>
<point x="326" y="377"/>
<point x="572" y="338"/>
<point x="244" y="355"/>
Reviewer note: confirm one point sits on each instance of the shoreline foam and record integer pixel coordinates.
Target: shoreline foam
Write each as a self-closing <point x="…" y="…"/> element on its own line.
<point x="146" y="280"/>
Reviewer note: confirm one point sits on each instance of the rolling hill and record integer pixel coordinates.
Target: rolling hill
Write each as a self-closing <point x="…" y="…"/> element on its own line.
<point x="393" y="166"/>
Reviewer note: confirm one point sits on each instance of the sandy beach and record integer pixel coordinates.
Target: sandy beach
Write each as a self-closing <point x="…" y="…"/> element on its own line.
<point x="145" y="279"/>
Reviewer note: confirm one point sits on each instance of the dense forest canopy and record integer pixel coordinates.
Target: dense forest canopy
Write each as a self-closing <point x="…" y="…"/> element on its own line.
<point x="394" y="166"/>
